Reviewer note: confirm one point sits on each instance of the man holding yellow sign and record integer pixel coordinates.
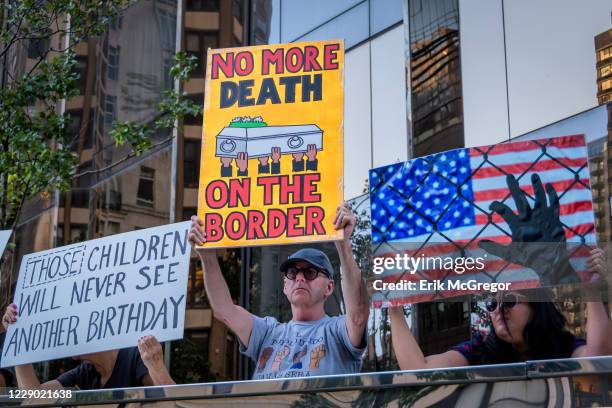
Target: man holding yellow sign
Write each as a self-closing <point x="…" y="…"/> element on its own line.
<point x="312" y="343"/>
<point x="271" y="173"/>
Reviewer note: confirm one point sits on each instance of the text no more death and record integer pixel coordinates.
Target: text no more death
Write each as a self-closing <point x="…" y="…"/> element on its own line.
<point x="279" y="61"/>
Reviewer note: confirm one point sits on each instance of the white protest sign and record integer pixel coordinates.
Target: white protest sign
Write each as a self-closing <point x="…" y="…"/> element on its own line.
<point x="5" y="235"/>
<point x="100" y="295"/>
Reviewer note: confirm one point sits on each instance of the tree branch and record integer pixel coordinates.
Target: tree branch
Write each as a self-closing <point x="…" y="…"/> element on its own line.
<point x="14" y="38"/>
<point x="4" y="198"/>
<point x="18" y="210"/>
<point x="122" y="160"/>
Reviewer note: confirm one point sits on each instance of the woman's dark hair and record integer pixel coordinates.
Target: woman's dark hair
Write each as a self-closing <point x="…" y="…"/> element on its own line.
<point x="545" y="335"/>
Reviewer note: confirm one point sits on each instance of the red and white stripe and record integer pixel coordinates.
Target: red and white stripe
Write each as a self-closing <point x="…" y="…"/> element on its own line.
<point x="489" y="184"/>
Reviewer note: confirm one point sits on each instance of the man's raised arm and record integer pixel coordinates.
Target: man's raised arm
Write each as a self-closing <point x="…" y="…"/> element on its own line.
<point x="233" y="316"/>
<point x="353" y="286"/>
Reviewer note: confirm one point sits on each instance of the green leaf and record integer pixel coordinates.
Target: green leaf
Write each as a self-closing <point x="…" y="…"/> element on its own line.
<point x="135" y="134"/>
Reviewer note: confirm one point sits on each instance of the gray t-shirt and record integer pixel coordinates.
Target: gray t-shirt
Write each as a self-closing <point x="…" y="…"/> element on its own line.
<point x="302" y="349"/>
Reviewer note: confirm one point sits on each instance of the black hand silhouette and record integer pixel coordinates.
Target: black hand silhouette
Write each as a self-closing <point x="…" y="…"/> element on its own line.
<point x="538" y="239"/>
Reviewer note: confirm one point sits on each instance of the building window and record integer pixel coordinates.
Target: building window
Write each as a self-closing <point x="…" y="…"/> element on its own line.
<point x="113" y="63"/>
<point x="435" y="76"/>
<point x="196" y="294"/>
<point x="38" y="47"/>
<point x="191" y="170"/>
<point x="189" y="358"/>
<point x="196" y="45"/>
<point x="111" y="200"/>
<point x="442" y="324"/>
<point x="88" y="142"/>
<point x="145" y="187"/>
<point x="238" y="10"/>
<point x="85" y="180"/>
<point x="116" y="23"/>
<point x="195" y="120"/>
<point x="81" y="70"/>
<point x="168" y="81"/>
<point x="78" y="233"/>
<point x="188" y="212"/>
<point x="73" y="125"/>
<point x="113" y="227"/>
<point x="167" y="25"/>
<point x="605" y="53"/>
<point x="605" y="85"/>
<point x="79" y="198"/>
<point x="202" y="5"/>
<point x="110" y="109"/>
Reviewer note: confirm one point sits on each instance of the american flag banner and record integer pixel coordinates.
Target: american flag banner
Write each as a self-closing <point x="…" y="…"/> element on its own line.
<point x="468" y="203"/>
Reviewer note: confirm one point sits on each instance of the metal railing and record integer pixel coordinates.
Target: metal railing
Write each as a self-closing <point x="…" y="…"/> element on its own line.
<point x="569" y="382"/>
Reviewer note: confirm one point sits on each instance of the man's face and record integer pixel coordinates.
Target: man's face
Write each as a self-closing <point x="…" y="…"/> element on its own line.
<point x="307" y="293"/>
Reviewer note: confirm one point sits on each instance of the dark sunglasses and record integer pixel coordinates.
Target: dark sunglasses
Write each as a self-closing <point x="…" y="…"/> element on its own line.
<point x="508" y="301"/>
<point x="310" y="273"/>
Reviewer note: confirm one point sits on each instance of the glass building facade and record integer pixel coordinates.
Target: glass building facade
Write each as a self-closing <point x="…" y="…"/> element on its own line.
<point x="603" y="55"/>
<point x="435" y="76"/>
<point x="374" y="120"/>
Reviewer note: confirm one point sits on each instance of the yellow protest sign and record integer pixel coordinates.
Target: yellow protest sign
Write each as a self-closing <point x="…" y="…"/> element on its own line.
<point x="272" y="144"/>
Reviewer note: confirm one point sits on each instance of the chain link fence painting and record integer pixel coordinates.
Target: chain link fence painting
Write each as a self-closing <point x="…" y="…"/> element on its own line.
<point x="472" y="220"/>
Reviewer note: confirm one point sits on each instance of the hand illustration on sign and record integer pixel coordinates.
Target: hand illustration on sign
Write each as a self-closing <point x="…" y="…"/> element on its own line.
<point x="276" y="154"/>
<point x="298" y="162"/>
<point x="538" y="238"/>
<point x="226" y="167"/>
<point x="264" y="165"/>
<point x="242" y="162"/>
<point x="311" y="162"/>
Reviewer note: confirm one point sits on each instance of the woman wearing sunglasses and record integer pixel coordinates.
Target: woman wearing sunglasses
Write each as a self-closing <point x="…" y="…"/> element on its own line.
<point x="520" y="330"/>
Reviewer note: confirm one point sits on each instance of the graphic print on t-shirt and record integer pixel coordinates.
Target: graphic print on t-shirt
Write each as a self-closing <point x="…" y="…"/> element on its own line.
<point x="316" y="356"/>
<point x="263" y="359"/>
<point x="279" y="357"/>
<point x="297" y="358"/>
<point x="301" y="349"/>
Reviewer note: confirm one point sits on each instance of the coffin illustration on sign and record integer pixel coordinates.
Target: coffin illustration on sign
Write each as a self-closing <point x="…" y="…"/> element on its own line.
<point x="256" y="139"/>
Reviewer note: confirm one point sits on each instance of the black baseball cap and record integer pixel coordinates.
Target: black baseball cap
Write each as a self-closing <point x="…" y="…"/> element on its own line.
<point x="312" y="256"/>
